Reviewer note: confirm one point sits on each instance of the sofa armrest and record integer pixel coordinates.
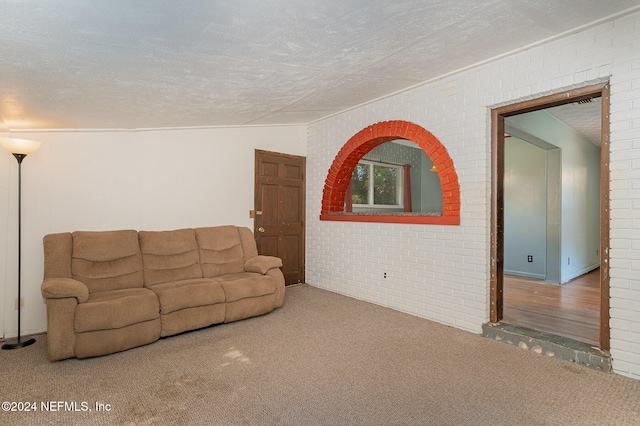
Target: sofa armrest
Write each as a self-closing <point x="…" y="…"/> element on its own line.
<point x="62" y="288"/>
<point x="261" y="264"/>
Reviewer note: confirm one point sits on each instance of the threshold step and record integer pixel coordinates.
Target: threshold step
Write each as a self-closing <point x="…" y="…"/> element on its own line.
<point x="549" y="345"/>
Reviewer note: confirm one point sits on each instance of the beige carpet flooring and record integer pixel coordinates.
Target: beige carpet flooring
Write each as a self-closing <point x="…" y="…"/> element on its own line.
<point x="322" y="359"/>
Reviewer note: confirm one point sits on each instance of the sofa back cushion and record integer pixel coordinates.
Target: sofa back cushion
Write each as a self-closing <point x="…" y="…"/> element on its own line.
<point x="106" y="260"/>
<point x="169" y="256"/>
<point x="221" y="250"/>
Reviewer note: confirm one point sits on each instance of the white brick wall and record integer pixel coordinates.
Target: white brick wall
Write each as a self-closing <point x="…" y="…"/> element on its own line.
<point x="442" y="272"/>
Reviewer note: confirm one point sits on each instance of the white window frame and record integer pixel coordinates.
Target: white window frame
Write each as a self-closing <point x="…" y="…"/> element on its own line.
<point x="399" y="185"/>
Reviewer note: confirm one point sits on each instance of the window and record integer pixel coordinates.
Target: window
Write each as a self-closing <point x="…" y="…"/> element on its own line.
<point x="338" y="182"/>
<point x="376" y="185"/>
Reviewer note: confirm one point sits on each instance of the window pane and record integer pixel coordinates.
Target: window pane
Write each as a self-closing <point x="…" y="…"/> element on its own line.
<point x="385" y="185"/>
<point x="360" y="184"/>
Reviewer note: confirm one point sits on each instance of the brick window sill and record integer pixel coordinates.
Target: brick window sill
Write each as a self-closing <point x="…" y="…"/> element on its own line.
<point x="396" y="218"/>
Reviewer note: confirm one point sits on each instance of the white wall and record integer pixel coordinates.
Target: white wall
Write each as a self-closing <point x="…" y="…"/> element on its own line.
<point x="525" y="209"/>
<point x="6" y="163"/>
<point x="442" y="272"/>
<point x="144" y="180"/>
<point x="430" y="189"/>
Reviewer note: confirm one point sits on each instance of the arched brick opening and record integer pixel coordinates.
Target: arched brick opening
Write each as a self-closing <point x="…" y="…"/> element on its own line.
<point x="364" y="141"/>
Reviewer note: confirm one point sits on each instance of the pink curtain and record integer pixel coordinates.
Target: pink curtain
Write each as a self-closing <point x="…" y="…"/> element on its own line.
<point x="407" y="188"/>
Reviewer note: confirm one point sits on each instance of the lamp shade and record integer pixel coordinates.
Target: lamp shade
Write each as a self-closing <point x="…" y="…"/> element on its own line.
<point x="20" y="146"/>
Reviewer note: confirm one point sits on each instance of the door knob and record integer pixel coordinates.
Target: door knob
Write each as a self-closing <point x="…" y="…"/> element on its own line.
<point x="261" y="229"/>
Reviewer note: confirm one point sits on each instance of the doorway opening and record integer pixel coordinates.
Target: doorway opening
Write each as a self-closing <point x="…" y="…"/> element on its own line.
<point x="554" y="242"/>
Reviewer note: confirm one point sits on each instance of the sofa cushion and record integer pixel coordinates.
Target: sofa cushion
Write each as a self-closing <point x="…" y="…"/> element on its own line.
<point x="103" y="342"/>
<point x="177" y="295"/>
<point x="169" y="256"/>
<point x="116" y="309"/>
<point x="220" y="250"/>
<point x="106" y="260"/>
<point x="246" y="284"/>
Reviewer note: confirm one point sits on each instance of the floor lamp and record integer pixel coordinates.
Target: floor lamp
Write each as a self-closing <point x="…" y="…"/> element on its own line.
<point x="20" y="148"/>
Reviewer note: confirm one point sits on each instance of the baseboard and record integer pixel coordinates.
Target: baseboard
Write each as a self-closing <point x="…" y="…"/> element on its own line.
<point x="524" y="274"/>
<point x="581" y="272"/>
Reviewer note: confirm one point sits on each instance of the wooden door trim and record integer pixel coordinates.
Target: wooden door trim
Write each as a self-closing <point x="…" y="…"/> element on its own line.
<point x="497" y="201"/>
<point x="303" y="160"/>
<point x="605" y="150"/>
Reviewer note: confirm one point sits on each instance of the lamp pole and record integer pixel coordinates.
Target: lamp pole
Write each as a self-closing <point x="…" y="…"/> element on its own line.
<point x="20" y="148"/>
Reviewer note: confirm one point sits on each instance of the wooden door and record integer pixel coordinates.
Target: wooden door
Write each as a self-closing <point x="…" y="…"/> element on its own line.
<point x="280" y="209"/>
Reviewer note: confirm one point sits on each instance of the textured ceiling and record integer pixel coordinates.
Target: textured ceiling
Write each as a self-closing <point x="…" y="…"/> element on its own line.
<point x="132" y="64"/>
<point x="584" y="117"/>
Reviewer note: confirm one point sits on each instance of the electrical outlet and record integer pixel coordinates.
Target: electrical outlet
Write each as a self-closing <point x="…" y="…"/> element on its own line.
<point x="21" y="303"/>
<point x="529" y="258"/>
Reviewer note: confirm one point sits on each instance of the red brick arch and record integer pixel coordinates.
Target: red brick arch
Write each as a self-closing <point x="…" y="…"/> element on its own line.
<point x="364" y="141"/>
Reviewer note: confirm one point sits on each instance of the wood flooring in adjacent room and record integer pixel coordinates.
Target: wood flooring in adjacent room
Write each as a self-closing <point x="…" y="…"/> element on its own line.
<point x="570" y="310"/>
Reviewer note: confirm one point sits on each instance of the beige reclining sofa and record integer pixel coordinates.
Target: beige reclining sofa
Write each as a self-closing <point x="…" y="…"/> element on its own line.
<point x="109" y="291"/>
